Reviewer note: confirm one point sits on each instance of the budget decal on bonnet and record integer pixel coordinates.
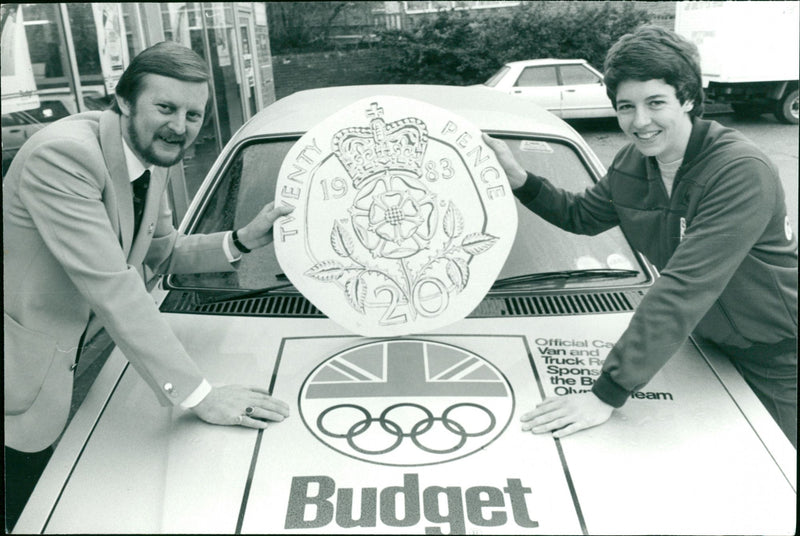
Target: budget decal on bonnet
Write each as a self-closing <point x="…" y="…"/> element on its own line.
<point x="408" y="435"/>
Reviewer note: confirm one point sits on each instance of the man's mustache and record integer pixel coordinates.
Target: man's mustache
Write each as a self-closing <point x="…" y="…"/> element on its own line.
<point x="172" y="138"/>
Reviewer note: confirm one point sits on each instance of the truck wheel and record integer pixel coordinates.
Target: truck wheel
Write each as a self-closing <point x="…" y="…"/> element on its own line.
<point x="787" y="109"/>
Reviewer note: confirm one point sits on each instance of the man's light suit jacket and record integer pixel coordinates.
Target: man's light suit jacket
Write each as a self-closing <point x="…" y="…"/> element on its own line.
<point x="68" y="249"/>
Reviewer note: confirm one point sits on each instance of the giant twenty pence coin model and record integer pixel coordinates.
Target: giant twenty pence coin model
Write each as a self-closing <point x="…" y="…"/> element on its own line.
<point x="402" y="217"/>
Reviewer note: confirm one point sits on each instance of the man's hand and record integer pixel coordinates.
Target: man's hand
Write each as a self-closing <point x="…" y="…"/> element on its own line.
<point x="258" y="232"/>
<point x="566" y="414"/>
<point x="240" y="405"/>
<point x="514" y="171"/>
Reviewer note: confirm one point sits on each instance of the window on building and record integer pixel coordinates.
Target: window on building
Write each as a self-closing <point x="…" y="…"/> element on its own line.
<point x="36" y="86"/>
<point x="96" y="96"/>
<point x="134" y="33"/>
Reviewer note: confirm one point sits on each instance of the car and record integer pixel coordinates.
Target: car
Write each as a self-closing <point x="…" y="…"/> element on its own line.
<point x="53" y="105"/>
<point x="417" y="433"/>
<point x="19" y="126"/>
<point x="569" y="88"/>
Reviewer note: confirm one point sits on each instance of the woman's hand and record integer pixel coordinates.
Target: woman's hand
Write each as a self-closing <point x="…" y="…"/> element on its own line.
<point x="565" y="415"/>
<point x="514" y="171"/>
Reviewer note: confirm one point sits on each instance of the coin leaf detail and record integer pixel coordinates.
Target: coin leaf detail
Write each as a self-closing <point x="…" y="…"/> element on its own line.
<point x="477" y="243"/>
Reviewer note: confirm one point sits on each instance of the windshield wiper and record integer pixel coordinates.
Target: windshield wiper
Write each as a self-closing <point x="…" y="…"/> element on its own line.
<point x="246" y="294"/>
<point x="594" y="273"/>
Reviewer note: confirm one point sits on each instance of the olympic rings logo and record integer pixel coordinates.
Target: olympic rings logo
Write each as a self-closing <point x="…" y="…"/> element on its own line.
<point x="406" y="402"/>
<point x="416" y="432"/>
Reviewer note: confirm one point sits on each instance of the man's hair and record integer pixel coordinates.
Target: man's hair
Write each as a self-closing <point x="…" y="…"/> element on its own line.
<point x="651" y="52"/>
<point x="166" y="58"/>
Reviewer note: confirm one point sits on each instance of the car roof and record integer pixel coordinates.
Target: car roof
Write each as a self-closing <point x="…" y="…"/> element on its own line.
<point x="485" y="108"/>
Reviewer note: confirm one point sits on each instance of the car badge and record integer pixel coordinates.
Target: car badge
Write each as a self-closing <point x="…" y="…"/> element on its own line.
<point x="402" y="217"/>
<point x="151" y="228"/>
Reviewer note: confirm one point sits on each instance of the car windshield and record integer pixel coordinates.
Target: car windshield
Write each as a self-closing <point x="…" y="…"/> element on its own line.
<point x="248" y="181"/>
<point x="497" y="76"/>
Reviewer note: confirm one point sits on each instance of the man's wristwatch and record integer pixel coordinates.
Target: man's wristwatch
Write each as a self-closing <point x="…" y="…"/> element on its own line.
<point x="238" y="243"/>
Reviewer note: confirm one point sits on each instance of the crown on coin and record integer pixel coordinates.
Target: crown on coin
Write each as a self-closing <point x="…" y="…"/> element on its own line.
<point x="366" y="151"/>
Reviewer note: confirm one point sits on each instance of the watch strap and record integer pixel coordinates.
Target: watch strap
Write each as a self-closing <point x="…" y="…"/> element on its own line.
<point x="238" y="243"/>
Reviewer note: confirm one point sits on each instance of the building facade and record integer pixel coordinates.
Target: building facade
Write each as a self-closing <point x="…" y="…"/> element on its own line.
<point x="64" y="58"/>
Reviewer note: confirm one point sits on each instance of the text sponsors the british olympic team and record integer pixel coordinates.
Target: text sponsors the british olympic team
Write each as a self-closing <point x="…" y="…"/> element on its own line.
<point x="573" y="365"/>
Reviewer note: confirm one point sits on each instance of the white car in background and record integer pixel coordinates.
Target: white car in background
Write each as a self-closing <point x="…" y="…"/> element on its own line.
<point x="571" y="89"/>
<point x="54" y="104"/>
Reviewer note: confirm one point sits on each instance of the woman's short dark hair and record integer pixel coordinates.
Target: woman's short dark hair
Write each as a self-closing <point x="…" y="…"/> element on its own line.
<point x="166" y="58"/>
<point x="651" y="52"/>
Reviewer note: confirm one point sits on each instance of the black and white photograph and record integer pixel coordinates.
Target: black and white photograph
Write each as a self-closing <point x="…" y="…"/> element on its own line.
<point x="400" y="267"/>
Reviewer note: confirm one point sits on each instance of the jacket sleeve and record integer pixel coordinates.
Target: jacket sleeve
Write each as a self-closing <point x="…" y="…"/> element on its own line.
<point x="589" y="213"/>
<point x="733" y="213"/>
<point x="62" y="189"/>
<point x="171" y="252"/>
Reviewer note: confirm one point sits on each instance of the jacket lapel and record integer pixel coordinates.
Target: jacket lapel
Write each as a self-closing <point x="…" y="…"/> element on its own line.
<point x="111" y="144"/>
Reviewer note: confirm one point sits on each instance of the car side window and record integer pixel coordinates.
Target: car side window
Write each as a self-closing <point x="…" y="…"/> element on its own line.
<point x="577" y="74"/>
<point x="12" y="120"/>
<point x="537" y="76"/>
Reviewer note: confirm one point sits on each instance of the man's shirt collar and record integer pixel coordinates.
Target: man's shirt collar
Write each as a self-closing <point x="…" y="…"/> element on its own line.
<point x="132" y="162"/>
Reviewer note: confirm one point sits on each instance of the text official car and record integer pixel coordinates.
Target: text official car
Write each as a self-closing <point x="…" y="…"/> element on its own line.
<point x="418" y="433"/>
<point x="571" y="89"/>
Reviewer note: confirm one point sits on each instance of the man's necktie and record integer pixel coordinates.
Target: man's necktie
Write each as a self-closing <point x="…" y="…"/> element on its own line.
<point x="140" y="186"/>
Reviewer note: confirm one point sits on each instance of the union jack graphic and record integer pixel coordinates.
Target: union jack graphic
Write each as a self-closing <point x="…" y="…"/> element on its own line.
<point x="406" y="368"/>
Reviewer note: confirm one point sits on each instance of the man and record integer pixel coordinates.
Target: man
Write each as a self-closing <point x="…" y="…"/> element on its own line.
<point x="707" y="209"/>
<point x="75" y="238"/>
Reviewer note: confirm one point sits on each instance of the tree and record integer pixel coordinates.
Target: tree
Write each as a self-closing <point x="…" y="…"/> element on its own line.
<point x="306" y="26"/>
<point x="461" y="48"/>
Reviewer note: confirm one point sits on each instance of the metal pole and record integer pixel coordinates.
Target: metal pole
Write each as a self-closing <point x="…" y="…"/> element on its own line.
<point x="240" y="61"/>
<point x="213" y="96"/>
<point x="73" y="77"/>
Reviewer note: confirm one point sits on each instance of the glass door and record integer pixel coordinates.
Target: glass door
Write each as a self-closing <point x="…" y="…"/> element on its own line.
<point x="37" y="79"/>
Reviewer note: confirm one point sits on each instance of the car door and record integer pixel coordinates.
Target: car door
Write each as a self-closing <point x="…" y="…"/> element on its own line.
<point x="583" y="93"/>
<point x="540" y="84"/>
<point x="14" y="132"/>
<point x="17" y="126"/>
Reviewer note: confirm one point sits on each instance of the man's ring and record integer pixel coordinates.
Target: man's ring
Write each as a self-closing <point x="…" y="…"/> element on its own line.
<point x="239" y="419"/>
<point x="249" y="410"/>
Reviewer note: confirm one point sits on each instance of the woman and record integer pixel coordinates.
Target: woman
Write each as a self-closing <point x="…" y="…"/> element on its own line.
<point x="707" y="208"/>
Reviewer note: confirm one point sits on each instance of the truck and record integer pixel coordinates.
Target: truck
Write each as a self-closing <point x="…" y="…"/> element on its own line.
<point x="748" y="53"/>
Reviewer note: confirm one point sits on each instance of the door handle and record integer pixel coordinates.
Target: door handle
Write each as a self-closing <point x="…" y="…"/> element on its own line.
<point x="517" y="91"/>
<point x="569" y="91"/>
